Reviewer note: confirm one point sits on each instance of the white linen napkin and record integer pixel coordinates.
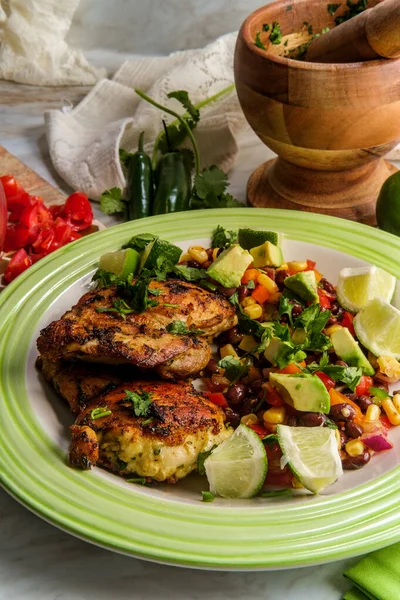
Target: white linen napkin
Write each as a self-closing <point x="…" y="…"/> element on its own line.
<point x="84" y="142"/>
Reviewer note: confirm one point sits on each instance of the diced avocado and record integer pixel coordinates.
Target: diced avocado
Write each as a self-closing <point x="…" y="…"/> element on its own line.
<point x="159" y="248"/>
<point x="249" y="238"/>
<point x="304" y="392"/>
<point x="277" y="352"/>
<point x="348" y="349"/>
<point x="267" y="255"/>
<point x="304" y="285"/>
<point x="229" y="267"/>
<point x="299" y="336"/>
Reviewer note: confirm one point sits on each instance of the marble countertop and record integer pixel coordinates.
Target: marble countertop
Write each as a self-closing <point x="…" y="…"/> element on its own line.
<point x="40" y="562"/>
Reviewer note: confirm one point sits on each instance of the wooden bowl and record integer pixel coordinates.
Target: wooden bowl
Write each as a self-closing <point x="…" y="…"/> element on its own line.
<point x="330" y="124"/>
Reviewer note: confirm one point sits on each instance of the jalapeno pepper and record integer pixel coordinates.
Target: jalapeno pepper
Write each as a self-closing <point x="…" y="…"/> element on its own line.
<point x="140" y="183"/>
<point x="173" y="185"/>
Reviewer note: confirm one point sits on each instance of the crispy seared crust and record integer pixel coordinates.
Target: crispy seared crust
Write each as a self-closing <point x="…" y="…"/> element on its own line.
<point x="140" y="339"/>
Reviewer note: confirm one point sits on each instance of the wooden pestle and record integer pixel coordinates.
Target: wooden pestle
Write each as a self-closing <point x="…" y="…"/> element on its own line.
<point x="373" y="34"/>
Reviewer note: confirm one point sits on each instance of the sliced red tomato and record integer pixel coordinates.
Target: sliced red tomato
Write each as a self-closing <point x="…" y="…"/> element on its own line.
<point x="260" y="430"/>
<point x="385" y="422"/>
<point x="310" y="265"/>
<point x="45" y="241"/>
<point x="55" y="210"/>
<point x="78" y="211"/>
<point x="35" y="218"/>
<point x="217" y="398"/>
<point x="280" y="479"/>
<point x="364" y="386"/>
<point x="347" y="321"/>
<point x="63" y="231"/>
<point x="326" y="380"/>
<point x="17" y="237"/>
<point x="272" y="396"/>
<point x="323" y="299"/>
<point x="17" y="265"/>
<point x="12" y="188"/>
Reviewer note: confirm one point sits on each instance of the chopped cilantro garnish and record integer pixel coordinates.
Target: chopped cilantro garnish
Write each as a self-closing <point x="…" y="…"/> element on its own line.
<point x="266" y="27"/>
<point x="276" y="34"/>
<point x="379" y="393"/>
<point x="139" y="480"/>
<point x="141" y="402"/>
<point x="258" y="42"/>
<point x="207" y="496"/>
<point x="289" y="7"/>
<point x="140" y="241"/>
<point x="354" y="8"/>
<point x="180" y="328"/>
<point x="189" y="273"/>
<point x="111" y="201"/>
<point x="332" y="8"/>
<point x="119" y="306"/>
<point x="276" y="493"/>
<point x="125" y="156"/>
<point x="234" y="368"/>
<point x="222" y="238"/>
<point x="201" y="458"/>
<point x="98" y="413"/>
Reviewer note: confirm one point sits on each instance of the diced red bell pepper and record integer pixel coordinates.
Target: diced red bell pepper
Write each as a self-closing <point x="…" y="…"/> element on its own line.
<point x="310" y="265"/>
<point x="323" y="299"/>
<point x="385" y="422"/>
<point x="259" y="430"/>
<point x="347" y="321"/>
<point x="364" y="386"/>
<point x="77" y="211"/>
<point x="326" y="380"/>
<point x="17" y="237"/>
<point x="249" y="275"/>
<point x="217" y="398"/>
<point x="280" y="479"/>
<point x="17" y="265"/>
<point x="272" y="397"/>
<point x="260" y="294"/>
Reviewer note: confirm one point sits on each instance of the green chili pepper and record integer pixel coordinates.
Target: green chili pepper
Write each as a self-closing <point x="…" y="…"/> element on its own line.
<point x="140" y="184"/>
<point x="173" y="184"/>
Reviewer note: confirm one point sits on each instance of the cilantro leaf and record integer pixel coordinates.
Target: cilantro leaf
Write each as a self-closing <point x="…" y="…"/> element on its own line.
<point x="189" y="273"/>
<point x="332" y="8"/>
<point x="208" y="496"/>
<point x="258" y="42"/>
<point x="201" y="458"/>
<point x="250" y="326"/>
<point x="222" y="238"/>
<point x="125" y="157"/>
<point x="183" y="97"/>
<point x="140" y="241"/>
<point x="276" y="34"/>
<point x="282" y="331"/>
<point x="379" y="393"/>
<point x="177" y="132"/>
<point x="104" y="278"/>
<point x="266" y="27"/>
<point x="209" y="190"/>
<point x="353" y="10"/>
<point x="137" y="293"/>
<point x="141" y="402"/>
<point x="180" y="328"/>
<point x="119" y="306"/>
<point x="350" y="376"/>
<point x="111" y="201"/>
<point x="234" y="368"/>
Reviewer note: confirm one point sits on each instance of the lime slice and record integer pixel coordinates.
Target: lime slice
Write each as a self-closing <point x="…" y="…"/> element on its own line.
<point x="388" y="205"/>
<point x="312" y="455"/>
<point x="238" y="467"/>
<point x="121" y="262"/>
<point x="159" y="249"/>
<point x="377" y="327"/>
<point x="250" y="238"/>
<point x="356" y="287"/>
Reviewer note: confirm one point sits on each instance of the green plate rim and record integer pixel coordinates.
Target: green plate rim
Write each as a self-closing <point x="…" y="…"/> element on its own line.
<point x="217" y="536"/>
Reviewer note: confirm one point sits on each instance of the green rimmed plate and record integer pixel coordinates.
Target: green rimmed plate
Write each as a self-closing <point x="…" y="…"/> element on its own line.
<point x="170" y="524"/>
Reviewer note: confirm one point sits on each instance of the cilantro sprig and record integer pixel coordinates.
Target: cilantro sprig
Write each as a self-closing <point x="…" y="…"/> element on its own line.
<point x="222" y="238"/>
<point x="235" y="369"/>
<point x="180" y="328"/>
<point x="141" y="402"/>
<point x="112" y="202"/>
<point x="209" y="190"/>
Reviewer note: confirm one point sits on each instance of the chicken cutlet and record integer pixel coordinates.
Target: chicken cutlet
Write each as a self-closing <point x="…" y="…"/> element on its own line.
<point x="176" y="424"/>
<point x="88" y="332"/>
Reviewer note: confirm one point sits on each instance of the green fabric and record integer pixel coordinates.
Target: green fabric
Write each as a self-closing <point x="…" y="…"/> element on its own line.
<point x="377" y="576"/>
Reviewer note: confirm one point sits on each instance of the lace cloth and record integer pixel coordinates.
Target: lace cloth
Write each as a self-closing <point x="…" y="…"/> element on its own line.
<point x="33" y="48"/>
<point x="84" y="142"/>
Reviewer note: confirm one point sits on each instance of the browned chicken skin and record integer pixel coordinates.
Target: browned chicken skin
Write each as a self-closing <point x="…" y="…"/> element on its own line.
<point x="162" y="445"/>
<point x="141" y="339"/>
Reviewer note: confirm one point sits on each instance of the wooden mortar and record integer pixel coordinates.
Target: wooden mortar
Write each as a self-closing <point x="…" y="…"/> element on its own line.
<point x="330" y="124"/>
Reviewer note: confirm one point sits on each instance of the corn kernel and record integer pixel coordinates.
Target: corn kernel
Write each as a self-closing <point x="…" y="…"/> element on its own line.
<point x="391" y="411"/>
<point x="373" y="413"/>
<point x="247" y="343"/>
<point x="267" y="283"/>
<point x="355" y="448"/>
<point x="338" y="439"/>
<point x="318" y="276"/>
<point x="270" y="427"/>
<point x="198" y="253"/>
<point x="390" y="367"/>
<point x="215" y="253"/>
<point x="228" y="350"/>
<point x="254" y="311"/>
<point x="396" y="401"/>
<point x="275" y="415"/>
<point x="249" y="420"/>
<point x="184" y="257"/>
<point x="274" y="298"/>
<point x="283" y="267"/>
<point x="333" y="329"/>
<point x="373" y="360"/>
<point x="297" y="265"/>
<point x="248" y="301"/>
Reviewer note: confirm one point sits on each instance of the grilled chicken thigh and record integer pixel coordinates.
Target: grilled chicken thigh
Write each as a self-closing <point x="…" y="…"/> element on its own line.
<point x="141" y="339"/>
<point x="163" y="445"/>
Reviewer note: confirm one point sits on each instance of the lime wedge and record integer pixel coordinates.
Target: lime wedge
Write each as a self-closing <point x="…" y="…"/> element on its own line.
<point x="377" y="327"/>
<point x="249" y="238"/>
<point x="356" y="287"/>
<point x="121" y="262"/>
<point x="312" y="455"/>
<point x="238" y="467"/>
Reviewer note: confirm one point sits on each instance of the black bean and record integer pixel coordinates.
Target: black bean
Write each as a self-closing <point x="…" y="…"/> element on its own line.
<point x="232" y="417"/>
<point x="256" y="386"/>
<point x="226" y="291"/>
<point x="243" y="292"/>
<point x="235" y="336"/>
<point x="337" y="310"/>
<point x="297" y="310"/>
<point x="342" y="412"/>
<point x="341" y="363"/>
<point x="311" y="419"/>
<point x="280" y="277"/>
<point x="236" y="394"/>
<point x="327" y="286"/>
<point x="343" y="439"/>
<point x="210" y="253"/>
<point x="249" y="405"/>
<point x="291" y="421"/>
<point x="331" y="321"/>
<point x="212" y="367"/>
<point x="363" y="402"/>
<point x="350" y="463"/>
<point x="353" y="430"/>
<point x="194" y="264"/>
<point x="310" y="358"/>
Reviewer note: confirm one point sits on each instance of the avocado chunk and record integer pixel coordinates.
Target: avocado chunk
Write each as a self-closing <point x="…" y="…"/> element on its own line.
<point x="156" y="249"/>
<point x="267" y="255"/>
<point x="304" y="285"/>
<point x="304" y="392"/>
<point x="249" y="238"/>
<point x="277" y="352"/>
<point x="348" y="349"/>
<point x="230" y="265"/>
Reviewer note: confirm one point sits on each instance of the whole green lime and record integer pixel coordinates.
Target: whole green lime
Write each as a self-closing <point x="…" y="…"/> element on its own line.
<point x="388" y="205"/>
